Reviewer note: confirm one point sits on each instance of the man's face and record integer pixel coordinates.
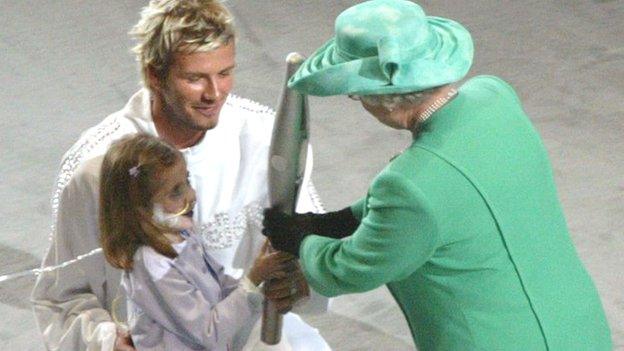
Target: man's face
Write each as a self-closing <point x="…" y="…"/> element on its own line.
<point x="196" y="88"/>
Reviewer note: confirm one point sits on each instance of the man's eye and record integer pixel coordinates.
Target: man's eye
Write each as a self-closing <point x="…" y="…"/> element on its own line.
<point x="225" y="73"/>
<point x="192" y="78"/>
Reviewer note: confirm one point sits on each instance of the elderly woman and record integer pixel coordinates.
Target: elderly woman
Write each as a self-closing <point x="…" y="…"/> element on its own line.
<point x="464" y="227"/>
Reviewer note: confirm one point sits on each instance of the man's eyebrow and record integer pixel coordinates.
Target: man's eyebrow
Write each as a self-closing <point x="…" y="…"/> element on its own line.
<point x="198" y="73"/>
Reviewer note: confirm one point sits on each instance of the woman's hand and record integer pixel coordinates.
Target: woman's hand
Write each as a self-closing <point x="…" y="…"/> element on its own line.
<point x="286" y="232"/>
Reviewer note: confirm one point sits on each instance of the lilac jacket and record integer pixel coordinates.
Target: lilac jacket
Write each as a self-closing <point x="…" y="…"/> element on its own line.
<point x="187" y="303"/>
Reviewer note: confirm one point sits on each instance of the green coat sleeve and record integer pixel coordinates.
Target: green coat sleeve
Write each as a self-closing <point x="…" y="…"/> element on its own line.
<point x="397" y="235"/>
<point x="358" y="208"/>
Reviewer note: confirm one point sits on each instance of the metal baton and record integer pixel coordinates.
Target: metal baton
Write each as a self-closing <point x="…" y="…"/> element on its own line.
<point x="287" y="160"/>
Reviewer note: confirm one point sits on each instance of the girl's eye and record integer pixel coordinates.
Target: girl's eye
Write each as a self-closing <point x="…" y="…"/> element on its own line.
<point x="176" y="193"/>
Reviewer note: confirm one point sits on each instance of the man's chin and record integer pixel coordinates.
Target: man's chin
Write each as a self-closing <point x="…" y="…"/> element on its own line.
<point x="204" y="127"/>
<point x="203" y="122"/>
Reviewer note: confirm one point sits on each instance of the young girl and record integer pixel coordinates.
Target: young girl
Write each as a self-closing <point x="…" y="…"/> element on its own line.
<point x="178" y="296"/>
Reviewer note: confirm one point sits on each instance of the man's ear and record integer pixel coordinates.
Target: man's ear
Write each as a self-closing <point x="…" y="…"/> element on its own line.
<point x="154" y="80"/>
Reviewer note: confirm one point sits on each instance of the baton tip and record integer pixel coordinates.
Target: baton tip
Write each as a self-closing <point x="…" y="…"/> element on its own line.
<point x="294" y="58"/>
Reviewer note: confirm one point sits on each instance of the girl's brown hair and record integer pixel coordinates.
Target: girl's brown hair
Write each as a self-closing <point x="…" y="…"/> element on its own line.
<point x="129" y="178"/>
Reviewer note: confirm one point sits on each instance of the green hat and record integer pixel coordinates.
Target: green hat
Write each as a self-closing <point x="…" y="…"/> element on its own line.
<point x="386" y="47"/>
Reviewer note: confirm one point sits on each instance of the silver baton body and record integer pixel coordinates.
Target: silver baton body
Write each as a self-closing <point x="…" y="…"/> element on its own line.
<point x="287" y="160"/>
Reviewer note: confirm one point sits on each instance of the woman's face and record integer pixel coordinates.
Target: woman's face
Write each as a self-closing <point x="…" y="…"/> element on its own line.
<point x="398" y="118"/>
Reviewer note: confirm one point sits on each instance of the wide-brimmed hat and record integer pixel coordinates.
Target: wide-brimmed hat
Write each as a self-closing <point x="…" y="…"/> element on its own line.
<point x="386" y="47"/>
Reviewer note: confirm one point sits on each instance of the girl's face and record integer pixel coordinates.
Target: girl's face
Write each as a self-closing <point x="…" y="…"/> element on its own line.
<point x="175" y="199"/>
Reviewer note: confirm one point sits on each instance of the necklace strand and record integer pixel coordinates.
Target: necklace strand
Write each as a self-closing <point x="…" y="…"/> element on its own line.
<point x="439" y="102"/>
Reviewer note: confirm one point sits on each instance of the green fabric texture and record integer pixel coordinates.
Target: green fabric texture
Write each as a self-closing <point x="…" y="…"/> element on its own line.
<point x="386" y="47"/>
<point x="358" y="208"/>
<point x="466" y="229"/>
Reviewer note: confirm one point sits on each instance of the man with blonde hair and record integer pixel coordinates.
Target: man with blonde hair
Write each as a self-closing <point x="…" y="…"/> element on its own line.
<point x="186" y="51"/>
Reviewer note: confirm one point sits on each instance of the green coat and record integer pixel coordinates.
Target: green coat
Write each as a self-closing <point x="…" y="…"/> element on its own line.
<point x="466" y="230"/>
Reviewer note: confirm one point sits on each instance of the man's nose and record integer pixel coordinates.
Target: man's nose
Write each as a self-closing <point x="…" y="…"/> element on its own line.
<point x="211" y="89"/>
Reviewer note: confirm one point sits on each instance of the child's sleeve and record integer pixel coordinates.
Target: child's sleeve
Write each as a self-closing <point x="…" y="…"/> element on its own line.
<point x="179" y="307"/>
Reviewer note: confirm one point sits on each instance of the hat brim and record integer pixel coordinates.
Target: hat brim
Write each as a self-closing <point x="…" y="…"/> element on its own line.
<point x="326" y="73"/>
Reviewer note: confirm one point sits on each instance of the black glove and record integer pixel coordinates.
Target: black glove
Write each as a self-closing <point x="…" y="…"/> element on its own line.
<point x="337" y="224"/>
<point x="286" y="232"/>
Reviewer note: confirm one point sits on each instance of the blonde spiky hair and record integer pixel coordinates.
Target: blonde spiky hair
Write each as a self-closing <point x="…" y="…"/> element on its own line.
<point x="170" y="26"/>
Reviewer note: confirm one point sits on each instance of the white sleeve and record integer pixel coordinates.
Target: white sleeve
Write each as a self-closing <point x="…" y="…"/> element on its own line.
<point x="309" y="201"/>
<point x="67" y="307"/>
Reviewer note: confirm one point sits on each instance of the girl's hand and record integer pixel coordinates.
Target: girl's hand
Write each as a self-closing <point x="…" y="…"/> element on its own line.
<point x="270" y="265"/>
<point x="285" y="292"/>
